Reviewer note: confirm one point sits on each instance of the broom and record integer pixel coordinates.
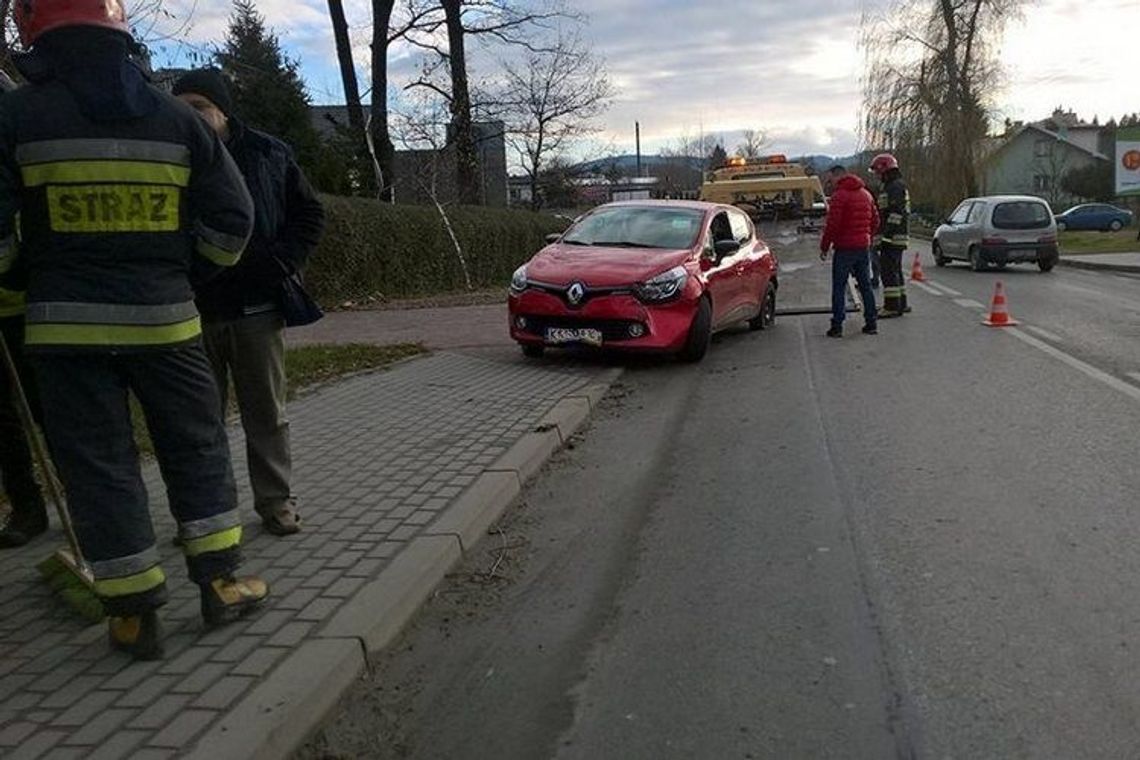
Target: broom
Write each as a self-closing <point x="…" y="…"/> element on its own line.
<point x="67" y="574"/>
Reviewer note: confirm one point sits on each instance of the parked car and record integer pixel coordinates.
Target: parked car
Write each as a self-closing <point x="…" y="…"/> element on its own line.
<point x="1094" y="216"/>
<point x="998" y="230"/>
<point x="655" y="276"/>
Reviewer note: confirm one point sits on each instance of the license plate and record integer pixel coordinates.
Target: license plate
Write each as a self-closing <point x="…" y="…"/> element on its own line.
<point x="1023" y="252"/>
<point x="574" y="335"/>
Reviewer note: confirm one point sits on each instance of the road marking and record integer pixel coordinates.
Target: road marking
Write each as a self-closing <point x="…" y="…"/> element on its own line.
<point x="943" y="288"/>
<point x="927" y="288"/>
<point x="1045" y="333"/>
<point x="970" y="303"/>
<point x="1112" y="382"/>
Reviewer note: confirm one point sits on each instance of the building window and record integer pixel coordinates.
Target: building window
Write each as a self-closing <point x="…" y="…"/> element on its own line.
<point x="1043" y="148"/>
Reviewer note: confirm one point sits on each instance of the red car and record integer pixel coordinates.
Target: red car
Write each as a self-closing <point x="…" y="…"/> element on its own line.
<point x="657" y="276"/>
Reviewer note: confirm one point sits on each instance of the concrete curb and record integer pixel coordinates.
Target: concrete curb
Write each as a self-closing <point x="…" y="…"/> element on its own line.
<point x="1076" y="263"/>
<point x="283" y="711"/>
<point x="378" y="611"/>
<point x="278" y="715"/>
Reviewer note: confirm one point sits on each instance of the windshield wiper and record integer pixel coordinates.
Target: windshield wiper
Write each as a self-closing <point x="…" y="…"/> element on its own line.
<point x="624" y="244"/>
<point x="574" y="242"/>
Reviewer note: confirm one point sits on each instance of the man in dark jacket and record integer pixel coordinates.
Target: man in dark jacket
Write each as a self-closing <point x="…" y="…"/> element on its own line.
<point x="125" y="200"/>
<point x="851" y="222"/>
<point x="244" y="328"/>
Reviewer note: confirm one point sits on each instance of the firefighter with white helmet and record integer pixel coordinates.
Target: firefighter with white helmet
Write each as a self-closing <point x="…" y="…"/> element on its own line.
<point x="126" y="199"/>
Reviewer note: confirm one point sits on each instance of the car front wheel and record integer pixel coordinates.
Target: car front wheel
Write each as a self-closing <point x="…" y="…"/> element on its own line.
<point x="700" y="333"/>
<point x="939" y="259"/>
<point x="532" y="351"/>
<point x="1061" y="227"/>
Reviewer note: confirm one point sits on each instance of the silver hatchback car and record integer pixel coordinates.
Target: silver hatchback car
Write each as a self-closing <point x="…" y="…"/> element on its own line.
<point x="998" y="230"/>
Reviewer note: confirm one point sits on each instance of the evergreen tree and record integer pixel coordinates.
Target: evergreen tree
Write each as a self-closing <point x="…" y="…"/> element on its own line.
<point x="267" y="89"/>
<point x="718" y="157"/>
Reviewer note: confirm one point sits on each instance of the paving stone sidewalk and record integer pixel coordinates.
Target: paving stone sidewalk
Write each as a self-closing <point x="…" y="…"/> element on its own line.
<point x="378" y="458"/>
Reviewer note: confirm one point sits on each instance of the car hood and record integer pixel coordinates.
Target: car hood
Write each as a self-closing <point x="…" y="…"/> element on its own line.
<point x="599" y="266"/>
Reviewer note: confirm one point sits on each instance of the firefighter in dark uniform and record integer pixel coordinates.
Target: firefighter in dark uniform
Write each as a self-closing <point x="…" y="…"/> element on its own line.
<point x="894" y="223"/>
<point x="126" y="200"/>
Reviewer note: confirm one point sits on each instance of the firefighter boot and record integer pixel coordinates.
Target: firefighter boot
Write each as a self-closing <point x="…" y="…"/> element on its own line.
<point x="140" y="636"/>
<point x="904" y="306"/>
<point x="228" y="598"/>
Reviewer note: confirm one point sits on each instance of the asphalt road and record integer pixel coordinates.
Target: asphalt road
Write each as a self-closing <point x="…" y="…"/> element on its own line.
<point x="919" y="544"/>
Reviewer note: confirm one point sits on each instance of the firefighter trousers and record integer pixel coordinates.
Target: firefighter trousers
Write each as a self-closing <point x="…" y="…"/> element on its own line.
<point x="894" y="286"/>
<point x="19" y="480"/>
<point x="87" y="418"/>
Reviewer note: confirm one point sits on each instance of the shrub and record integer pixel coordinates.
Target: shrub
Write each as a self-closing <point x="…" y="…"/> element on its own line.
<point x="376" y="251"/>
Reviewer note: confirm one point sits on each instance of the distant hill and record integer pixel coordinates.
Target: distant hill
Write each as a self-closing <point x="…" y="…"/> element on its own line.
<point x="627" y="164"/>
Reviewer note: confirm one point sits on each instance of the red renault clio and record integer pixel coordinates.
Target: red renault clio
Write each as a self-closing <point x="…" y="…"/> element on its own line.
<point x="656" y="276"/>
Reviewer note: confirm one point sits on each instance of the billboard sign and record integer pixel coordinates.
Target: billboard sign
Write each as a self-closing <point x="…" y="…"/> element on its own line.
<point x="1128" y="161"/>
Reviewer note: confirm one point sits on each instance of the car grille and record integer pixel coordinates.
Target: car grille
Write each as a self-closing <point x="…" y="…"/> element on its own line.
<point x="611" y="329"/>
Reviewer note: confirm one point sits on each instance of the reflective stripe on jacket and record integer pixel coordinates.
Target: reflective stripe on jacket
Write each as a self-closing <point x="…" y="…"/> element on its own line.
<point x="118" y="219"/>
<point x="894" y="213"/>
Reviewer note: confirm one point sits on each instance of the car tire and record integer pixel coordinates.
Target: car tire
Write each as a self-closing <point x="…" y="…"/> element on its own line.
<point x="1115" y="225"/>
<point x="767" y="316"/>
<point x="700" y="334"/>
<point x="1046" y="266"/>
<point x="532" y="351"/>
<point x="939" y="259"/>
<point x="976" y="261"/>
<point x="1061" y="227"/>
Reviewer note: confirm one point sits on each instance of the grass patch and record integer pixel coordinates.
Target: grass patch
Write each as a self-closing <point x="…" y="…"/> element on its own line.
<point x="1123" y="241"/>
<point x="306" y="366"/>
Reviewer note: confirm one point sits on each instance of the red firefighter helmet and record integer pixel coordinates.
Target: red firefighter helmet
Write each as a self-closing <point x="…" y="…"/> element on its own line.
<point x="883" y="163"/>
<point x="35" y="17"/>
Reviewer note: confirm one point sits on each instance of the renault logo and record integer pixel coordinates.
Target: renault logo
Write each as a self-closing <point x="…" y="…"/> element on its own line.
<point x="575" y="293"/>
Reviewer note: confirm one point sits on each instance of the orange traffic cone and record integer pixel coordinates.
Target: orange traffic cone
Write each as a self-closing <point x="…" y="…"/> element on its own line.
<point x="999" y="314"/>
<point x="916" y="274"/>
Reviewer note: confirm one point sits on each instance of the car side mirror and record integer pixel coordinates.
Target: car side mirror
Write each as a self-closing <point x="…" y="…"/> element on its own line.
<point x="553" y="237"/>
<point x="948" y="221"/>
<point x="726" y="248"/>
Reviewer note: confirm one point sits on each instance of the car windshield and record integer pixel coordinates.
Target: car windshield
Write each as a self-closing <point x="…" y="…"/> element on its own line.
<point x="637" y="227"/>
<point x="1021" y="215"/>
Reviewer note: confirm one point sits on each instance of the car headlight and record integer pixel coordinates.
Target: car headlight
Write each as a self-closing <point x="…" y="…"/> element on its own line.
<point x="518" y="280"/>
<point x="664" y="286"/>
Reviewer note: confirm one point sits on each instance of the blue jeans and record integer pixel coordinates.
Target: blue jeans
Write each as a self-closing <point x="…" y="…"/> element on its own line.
<point x="844" y="264"/>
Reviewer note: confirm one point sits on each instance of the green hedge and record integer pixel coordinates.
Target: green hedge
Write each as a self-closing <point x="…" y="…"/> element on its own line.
<point x="374" y="251"/>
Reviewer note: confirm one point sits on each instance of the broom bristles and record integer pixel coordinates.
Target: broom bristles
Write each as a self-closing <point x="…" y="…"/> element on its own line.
<point x="72" y="586"/>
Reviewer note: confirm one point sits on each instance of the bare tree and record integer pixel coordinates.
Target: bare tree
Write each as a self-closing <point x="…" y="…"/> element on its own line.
<point x="347" y="66"/>
<point x="550" y="101"/>
<point x="753" y="143"/>
<point x="931" y="71"/>
<point x="521" y="23"/>
<point x="423" y="126"/>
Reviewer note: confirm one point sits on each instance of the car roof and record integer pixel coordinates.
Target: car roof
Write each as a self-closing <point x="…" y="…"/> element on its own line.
<point x="1007" y="199"/>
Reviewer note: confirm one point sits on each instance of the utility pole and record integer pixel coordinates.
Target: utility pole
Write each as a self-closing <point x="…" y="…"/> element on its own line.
<point x="637" y="134"/>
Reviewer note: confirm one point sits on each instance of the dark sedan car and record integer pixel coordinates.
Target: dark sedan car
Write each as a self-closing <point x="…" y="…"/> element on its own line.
<point x="1094" y="216"/>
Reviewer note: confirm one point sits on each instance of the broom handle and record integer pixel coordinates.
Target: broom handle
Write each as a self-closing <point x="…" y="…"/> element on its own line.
<point x="25" y="413"/>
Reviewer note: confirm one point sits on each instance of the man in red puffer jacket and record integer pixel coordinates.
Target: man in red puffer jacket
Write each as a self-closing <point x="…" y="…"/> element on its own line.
<point x="852" y="221"/>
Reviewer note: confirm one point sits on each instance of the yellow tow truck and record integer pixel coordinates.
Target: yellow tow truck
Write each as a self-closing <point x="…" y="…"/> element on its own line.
<point x="768" y="187"/>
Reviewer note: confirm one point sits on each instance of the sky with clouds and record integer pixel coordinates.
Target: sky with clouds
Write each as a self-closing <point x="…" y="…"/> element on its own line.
<point x="788" y="67"/>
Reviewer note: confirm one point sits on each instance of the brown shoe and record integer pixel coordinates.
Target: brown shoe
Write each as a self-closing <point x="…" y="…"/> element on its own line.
<point x="284" y="520"/>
